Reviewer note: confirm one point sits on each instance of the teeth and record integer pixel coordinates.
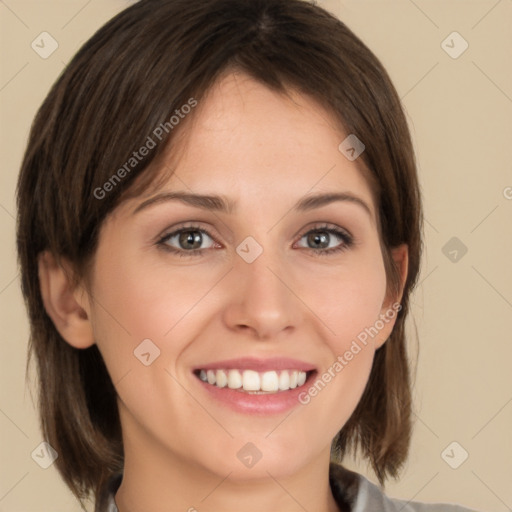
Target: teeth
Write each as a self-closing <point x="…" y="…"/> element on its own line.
<point x="254" y="382"/>
<point x="269" y="381"/>
<point x="293" y="380"/>
<point x="234" y="379"/>
<point x="221" y="379"/>
<point x="284" y="381"/>
<point x="251" y="380"/>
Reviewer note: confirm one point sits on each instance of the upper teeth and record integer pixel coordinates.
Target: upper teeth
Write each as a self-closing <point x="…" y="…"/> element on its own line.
<point x="249" y="380"/>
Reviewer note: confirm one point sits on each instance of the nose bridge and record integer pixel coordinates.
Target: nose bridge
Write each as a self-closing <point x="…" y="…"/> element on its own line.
<point x="262" y="298"/>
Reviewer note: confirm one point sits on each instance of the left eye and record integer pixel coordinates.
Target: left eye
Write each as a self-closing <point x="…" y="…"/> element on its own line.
<point x="323" y="238"/>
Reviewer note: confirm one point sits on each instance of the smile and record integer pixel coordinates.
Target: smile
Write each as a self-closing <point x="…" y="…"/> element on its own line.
<point x="251" y="381"/>
<point x="252" y="385"/>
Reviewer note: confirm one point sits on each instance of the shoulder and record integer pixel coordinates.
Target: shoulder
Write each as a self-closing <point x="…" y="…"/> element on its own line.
<point x="361" y="495"/>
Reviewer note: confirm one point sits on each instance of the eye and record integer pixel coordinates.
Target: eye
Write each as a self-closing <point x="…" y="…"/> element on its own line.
<point x="187" y="241"/>
<point x="325" y="240"/>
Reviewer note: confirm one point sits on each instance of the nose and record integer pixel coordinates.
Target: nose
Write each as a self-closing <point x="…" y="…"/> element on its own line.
<point x="261" y="298"/>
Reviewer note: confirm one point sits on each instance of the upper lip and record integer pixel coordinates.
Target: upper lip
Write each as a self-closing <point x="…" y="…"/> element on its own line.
<point x="258" y="364"/>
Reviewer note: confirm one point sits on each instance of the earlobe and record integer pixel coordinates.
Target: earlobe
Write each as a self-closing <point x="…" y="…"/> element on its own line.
<point x="64" y="303"/>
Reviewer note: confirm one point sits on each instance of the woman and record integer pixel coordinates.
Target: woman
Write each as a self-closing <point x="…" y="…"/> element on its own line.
<point x="219" y="230"/>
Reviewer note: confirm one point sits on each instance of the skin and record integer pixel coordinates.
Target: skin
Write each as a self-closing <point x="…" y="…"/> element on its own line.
<point x="265" y="152"/>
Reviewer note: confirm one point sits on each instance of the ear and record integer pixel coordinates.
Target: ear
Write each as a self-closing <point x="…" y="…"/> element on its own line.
<point x="65" y="304"/>
<point x="391" y="305"/>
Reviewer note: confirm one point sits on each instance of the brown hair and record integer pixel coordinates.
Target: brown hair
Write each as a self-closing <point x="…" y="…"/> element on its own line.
<point x="128" y="79"/>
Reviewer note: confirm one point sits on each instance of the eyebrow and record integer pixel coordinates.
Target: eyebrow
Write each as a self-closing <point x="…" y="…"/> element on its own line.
<point x="223" y="204"/>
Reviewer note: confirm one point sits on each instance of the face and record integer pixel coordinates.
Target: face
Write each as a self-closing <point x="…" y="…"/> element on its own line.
<point x="266" y="292"/>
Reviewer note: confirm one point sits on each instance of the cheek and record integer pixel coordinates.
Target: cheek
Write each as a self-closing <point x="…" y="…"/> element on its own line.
<point x="349" y="303"/>
<point x="350" y="300"/>
<point x="136" y="302"/>
<point x="146" y="300"/>
<point x="349" y="308"/>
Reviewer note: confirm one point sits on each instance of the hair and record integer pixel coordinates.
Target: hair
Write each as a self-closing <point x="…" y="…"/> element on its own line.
<point x="128" y="79"/>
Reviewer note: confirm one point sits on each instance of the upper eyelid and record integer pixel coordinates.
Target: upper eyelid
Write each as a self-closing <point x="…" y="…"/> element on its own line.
<point x="175" y="230"/>
<point x="192" y="226"/>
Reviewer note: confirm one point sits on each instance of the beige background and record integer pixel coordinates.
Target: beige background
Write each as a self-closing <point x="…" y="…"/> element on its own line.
<point x="461" y="118"/>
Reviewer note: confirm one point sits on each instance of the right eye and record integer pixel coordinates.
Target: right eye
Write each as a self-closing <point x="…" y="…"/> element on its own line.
<point x="185" y="241"/>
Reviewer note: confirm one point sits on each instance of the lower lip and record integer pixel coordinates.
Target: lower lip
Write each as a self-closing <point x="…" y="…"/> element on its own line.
<point x="247" y="403"/>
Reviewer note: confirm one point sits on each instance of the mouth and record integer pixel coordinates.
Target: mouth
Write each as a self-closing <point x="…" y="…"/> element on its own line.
<point x="256" y="386"/>
<point x="254" y="382"/>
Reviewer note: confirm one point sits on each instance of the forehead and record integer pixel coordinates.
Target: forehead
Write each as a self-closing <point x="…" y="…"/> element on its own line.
<point x="244" y="138"/>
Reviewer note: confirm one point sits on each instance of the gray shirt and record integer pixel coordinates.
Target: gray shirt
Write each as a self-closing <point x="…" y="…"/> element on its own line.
<point x="371" y="498"/>
<point x="352" y="492"/>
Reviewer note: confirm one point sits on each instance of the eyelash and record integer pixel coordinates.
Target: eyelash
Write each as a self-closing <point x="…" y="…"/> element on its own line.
<point x="347" y="241"/>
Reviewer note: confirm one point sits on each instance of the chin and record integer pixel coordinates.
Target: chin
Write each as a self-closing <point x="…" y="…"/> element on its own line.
<point x="246" y="460"/>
